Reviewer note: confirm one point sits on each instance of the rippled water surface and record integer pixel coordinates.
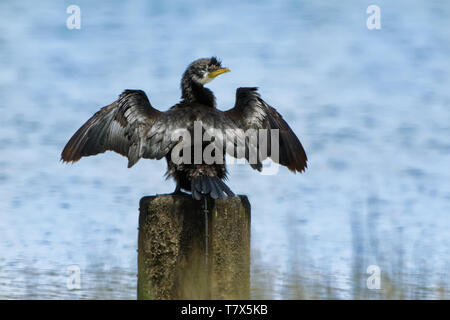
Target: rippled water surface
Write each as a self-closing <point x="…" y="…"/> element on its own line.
<point x="372" y="109"/>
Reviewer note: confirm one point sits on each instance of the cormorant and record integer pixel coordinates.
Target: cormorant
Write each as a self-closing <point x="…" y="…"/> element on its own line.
<point x="131" y="127"/>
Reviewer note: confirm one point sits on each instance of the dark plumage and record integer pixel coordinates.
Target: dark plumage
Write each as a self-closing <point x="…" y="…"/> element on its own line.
<point x="131" y="127"/>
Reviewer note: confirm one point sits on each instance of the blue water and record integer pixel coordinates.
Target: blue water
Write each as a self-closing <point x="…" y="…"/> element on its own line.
<point x="372" y="109"/>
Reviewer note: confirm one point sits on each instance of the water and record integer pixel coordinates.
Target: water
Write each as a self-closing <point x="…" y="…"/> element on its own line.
<point x="372" y="109"/>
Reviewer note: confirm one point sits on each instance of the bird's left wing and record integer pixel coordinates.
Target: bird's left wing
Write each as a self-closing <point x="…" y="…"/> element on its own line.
<point x="252" y="112"/>
<point x="121" y="127"/>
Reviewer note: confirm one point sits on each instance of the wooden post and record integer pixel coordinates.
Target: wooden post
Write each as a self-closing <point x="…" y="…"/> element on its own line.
<point x="171" y="248"/>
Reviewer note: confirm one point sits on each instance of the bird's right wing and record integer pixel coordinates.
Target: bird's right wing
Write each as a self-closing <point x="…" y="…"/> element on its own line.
<point x="122" y="127"/>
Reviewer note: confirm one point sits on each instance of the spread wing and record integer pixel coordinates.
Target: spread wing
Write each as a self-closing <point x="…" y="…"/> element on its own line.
<point x="123" y="127"/>
<point x="214" y="128"/>
<point x="252" y="112"/>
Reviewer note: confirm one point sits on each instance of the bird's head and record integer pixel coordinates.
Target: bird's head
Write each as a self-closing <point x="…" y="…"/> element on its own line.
<point x="204" y="70"/>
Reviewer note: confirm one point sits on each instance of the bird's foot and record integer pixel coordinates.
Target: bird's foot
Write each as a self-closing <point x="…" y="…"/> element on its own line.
<point x="178" y="192"/>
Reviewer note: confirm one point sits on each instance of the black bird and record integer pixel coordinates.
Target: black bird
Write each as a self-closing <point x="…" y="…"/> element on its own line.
<point x="131" y="127"/>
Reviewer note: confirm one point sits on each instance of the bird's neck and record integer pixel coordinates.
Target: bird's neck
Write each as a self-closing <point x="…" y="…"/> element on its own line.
<point x="194" y="92"/>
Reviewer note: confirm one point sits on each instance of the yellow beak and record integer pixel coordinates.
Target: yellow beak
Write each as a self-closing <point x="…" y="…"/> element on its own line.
<point x="214" y="74"/>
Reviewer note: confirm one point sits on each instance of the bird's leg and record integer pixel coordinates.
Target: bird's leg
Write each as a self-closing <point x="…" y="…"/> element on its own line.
<point x="178" y="190"/>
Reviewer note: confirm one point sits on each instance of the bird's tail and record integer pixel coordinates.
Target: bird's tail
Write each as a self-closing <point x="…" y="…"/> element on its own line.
<point x="215" y="187"/>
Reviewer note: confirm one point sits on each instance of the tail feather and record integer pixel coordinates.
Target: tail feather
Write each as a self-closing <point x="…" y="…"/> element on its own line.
<point x="212" y="186"/>
<point x="215" y="191"/>
<point x="196" y="187"/>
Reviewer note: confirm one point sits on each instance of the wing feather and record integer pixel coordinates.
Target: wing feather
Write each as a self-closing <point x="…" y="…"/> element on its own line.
<point x="120" y="127"/>
<point x="252" y="112"/>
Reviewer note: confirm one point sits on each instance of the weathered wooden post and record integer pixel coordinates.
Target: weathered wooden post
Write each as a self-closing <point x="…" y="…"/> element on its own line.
<point x="172" y="260"/>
